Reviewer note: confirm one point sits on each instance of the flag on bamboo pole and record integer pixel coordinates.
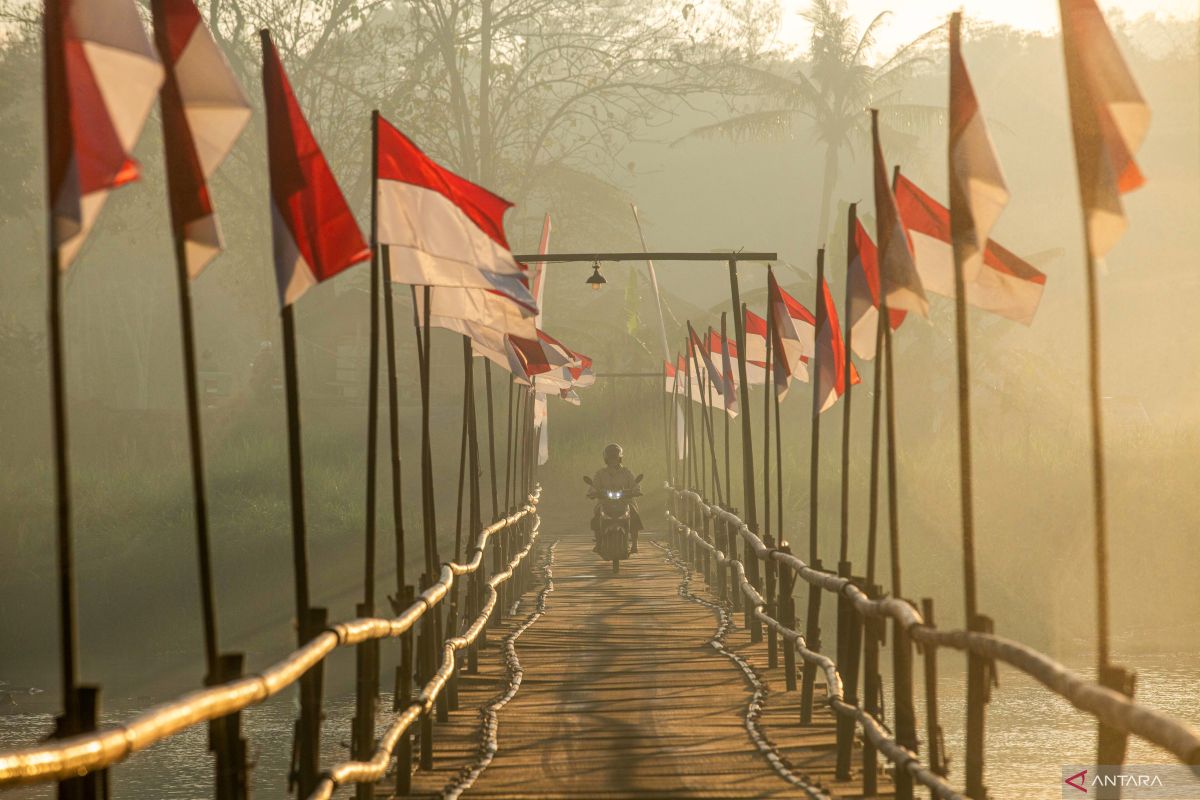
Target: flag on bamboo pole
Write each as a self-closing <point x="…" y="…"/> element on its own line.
<point x="727" y="350"/>
<point x="831" y="357"/>
<point x="441" y="229"/>
<point x="863" y="285"/>
<point x="204" y="111"/>
<point x="708" y="368"/>
<point x="102" y="76"/>
<point x="756" y="348"/>
<point x="1005" y="285"/>
<point x="978" y="193"/>
<point x="696" y="377"/>
<point x="539" y="270"/>
<point x="793" y="329"/>
<point x="674" y="375"/>
<point x="314" y="232"/>
<point x="901" y="283"/>
<point x="1109" y="120"/>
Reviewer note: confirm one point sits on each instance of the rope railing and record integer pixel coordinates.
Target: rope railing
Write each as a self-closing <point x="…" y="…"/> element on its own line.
<point x="375" y="769"/>
<point x="1106" y="705"/>
<point x="75" y="756"/>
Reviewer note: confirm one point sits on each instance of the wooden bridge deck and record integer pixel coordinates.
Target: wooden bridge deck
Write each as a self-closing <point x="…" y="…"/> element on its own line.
<point x="622" y="696"/>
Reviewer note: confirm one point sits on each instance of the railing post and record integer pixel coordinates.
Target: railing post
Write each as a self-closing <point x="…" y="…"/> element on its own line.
<point x="753" y="574"/>
<point x="771" y="570"/>
<point x="787" y="617"/>
<point x="401" y="698"/>
<point x="873" y="633"/>
<point x="362" y="735"/>
<point x="425" y="657"/>
<point x="452" y="626"/>
<point x="978" y="695"/>
<point x="933" y="728"/>
<point x="906" y="718"/>
<point x="82" y="716"/>
<point x="849" y="642"/>
<point x="226" y="737"/>
<point x="812" y="635"/>
<point x="707" y="554"/>
<point x="1111" y="742"/>
<point x="719" y="540"/>
<point x="307" y="750"/>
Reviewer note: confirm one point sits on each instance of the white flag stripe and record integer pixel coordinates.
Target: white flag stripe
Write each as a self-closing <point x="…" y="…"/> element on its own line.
<point x="433" y="243"/>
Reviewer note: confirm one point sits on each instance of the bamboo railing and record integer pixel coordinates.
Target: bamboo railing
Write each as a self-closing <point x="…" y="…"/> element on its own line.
<point x="708" y="537"/>
<point x="78" y="755"/>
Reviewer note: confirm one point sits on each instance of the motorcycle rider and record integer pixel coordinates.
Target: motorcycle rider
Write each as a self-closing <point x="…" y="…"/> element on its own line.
<point x="614" y="476"/>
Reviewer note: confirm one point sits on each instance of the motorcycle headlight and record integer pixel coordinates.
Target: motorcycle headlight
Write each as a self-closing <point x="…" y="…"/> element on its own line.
<point x="614" y="495"/>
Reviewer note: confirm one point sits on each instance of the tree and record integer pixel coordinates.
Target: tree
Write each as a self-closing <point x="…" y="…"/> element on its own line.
<point x="831" y="93"/>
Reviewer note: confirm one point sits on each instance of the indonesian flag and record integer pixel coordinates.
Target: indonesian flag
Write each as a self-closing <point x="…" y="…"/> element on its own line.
<point x="831" y="357"/>
<point x="708" y="368"/>
<point x="102" y="76"/>
<point x="727" y="351"/>
<point x="901" y="283"/>
<point x="694" y="386"/>
<point x="315" y="234"/>
<point x="1005" y="284"/>
<point x="1109" y="120"/>
<point x="204" y="111"/>
<point x="756" y="348"/>
<point x="862" y="281"/>
<point x="674" y="376"/>
<point x="440" y="229"/>
<point x="528" y="358"/>
<point x="793" y="328"/>
<point x="977" y="190"/>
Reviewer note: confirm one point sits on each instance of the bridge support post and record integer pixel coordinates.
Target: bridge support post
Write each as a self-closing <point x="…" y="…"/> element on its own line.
<point x="366" y="691"/>
<point x="849" y="640"/>
<point x="770" y="568"/>
<point x="787" y="617"/>
<point x="812" y="635"/>
<point x="401" y="697"/>
<point x="705" y="553"/>
<point x="873" y="633"/>
<point x="225" y="737"/>
<point x="308" y="729"/>
<point x="978" y="694"/>
<point x="82" y="715"/>
<point x="426" y="642"/>
<point x="1112" y="742"/>
<point x="750" y="559"/>
<point x="937" y="749"/>
<point x="905" y="715"/>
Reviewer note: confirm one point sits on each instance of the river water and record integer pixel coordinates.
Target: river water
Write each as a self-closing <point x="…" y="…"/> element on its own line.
<point x="1031" y="734"/>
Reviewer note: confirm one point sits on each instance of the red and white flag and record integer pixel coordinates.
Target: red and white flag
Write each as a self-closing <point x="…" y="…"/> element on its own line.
<point x="675" y="375"/>
<point x="441" y="229"/>
<point x="831" y="357"/>
<point x="315" y="235"/>
<point x="709" y="371"/>
<point x="1109" y="120"/>
<point x="901" y="283"/>
<point x="756" y="348"/>
<point x="727" y="350"/>
<point x="102" y="76"/>
<point x="1005" y="285"/>
<point x="204" y="112"/>
<point x="528" y="358"/>
<point x="977" y="190"/>
<point x="793" y="331"/>
<point x="862" y="281"/>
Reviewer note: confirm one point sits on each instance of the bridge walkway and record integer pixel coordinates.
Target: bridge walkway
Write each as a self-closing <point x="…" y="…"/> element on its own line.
<point x="622" y="696"/>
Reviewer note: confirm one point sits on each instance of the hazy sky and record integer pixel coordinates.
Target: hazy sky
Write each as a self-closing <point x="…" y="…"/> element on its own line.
<point x="910" y="19"/>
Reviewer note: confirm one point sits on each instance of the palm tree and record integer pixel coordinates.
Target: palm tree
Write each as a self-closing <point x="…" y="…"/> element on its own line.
<point x="833" y="93"/>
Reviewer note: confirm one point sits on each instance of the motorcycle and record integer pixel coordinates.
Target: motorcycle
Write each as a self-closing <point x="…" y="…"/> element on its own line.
<point x="613" y="534"/>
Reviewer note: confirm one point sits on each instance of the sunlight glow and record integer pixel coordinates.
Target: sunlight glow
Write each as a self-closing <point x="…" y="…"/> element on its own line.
<point x="909" y="20"/>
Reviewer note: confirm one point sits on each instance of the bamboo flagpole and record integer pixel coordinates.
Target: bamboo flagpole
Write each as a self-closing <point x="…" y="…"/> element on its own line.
<point x="1109" y="121"/>
<point x="768" y="390"/>
<point x="726" y="368"/>
<point x="851" y="255"/>
<point x="813" y="617"/>
<point x="491" y="423"/>
<point x="739" y="328"/>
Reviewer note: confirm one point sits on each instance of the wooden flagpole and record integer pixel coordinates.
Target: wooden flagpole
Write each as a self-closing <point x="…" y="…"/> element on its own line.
<point x="491" y="422"/>
<point x="747" y="443"/>
<point x="728" y="483"/>
<point x="394" y="422"/>
<point x="427" y="499"/>
<point x="851" y="253"/>
<point x="769" y="388"/>
<point x="813" y="616"/>
<point x="508" y="447"/>
<point x="873" y="488"/>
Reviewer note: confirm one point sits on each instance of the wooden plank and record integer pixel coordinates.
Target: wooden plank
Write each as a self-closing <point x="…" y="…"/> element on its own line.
<point x="623" y="697"/>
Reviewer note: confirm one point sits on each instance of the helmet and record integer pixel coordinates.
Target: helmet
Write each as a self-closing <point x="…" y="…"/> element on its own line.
<point x="613" y="453"/>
